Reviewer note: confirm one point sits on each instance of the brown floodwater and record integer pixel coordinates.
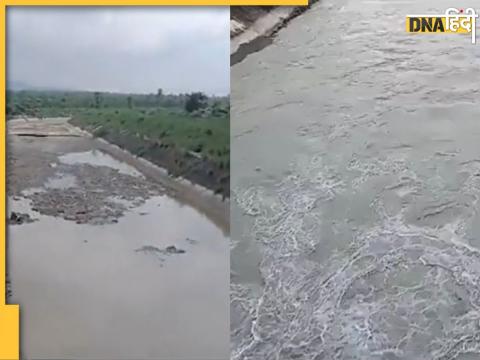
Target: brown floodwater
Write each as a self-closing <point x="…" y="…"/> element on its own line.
<point x="356" y="188"/>
<point x="87" y="291"/>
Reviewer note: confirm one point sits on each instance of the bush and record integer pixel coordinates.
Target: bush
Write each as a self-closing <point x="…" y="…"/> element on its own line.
<point x="100" y="132"/>
<point x="196" y="101"/>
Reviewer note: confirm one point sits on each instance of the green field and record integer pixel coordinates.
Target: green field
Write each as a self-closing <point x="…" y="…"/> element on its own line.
<point x="206" y="136"/>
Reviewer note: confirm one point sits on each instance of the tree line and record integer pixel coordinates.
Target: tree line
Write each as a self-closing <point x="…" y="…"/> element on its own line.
<point x="21" y="102"/>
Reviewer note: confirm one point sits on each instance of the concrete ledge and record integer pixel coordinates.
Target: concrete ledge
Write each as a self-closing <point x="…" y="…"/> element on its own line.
<point x="256" y="30"/>
<point x="265" y="25"/>
<point x="42" y="127"/>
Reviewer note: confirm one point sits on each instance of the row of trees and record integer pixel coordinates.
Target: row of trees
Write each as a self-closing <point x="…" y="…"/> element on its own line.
<point x="196" y="102"/>
<point x="193" y="102"/>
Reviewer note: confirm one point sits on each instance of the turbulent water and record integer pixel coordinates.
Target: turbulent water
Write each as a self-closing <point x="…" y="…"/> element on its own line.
<point x="356" y="177"/>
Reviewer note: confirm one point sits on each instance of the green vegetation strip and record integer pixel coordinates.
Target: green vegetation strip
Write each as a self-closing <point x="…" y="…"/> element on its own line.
<point x="207" y="137"/>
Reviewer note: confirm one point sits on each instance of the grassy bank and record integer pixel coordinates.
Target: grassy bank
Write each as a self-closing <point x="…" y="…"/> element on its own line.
<point x="194" y="148"/>
<point x="208" y="137"/>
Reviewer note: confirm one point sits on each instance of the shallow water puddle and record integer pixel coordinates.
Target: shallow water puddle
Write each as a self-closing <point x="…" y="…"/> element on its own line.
<point x="84" y="291"/>
<point x="61" y="181"/>
<point x="98" y="158"/>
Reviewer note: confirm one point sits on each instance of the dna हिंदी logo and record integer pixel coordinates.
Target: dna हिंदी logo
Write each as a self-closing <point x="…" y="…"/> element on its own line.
<point x="454" y="21"/>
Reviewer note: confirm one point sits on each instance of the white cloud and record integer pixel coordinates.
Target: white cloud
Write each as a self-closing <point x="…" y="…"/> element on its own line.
<point x="122" y="48"/>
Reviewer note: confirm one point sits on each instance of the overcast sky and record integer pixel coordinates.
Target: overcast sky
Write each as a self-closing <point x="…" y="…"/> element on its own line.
<point x="120" y="49"/>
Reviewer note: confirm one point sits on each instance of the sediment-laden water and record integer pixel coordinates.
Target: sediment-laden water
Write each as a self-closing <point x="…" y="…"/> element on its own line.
<point x="356" y="178"/>
<point x="105" y="262"/>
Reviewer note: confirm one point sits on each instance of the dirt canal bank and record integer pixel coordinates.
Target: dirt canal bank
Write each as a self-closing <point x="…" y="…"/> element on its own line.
<point x="106" y="258"/>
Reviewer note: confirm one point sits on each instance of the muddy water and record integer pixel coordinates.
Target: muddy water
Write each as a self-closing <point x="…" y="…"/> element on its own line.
<point x="93" y="291"/>
<point x="355" y="171"/>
